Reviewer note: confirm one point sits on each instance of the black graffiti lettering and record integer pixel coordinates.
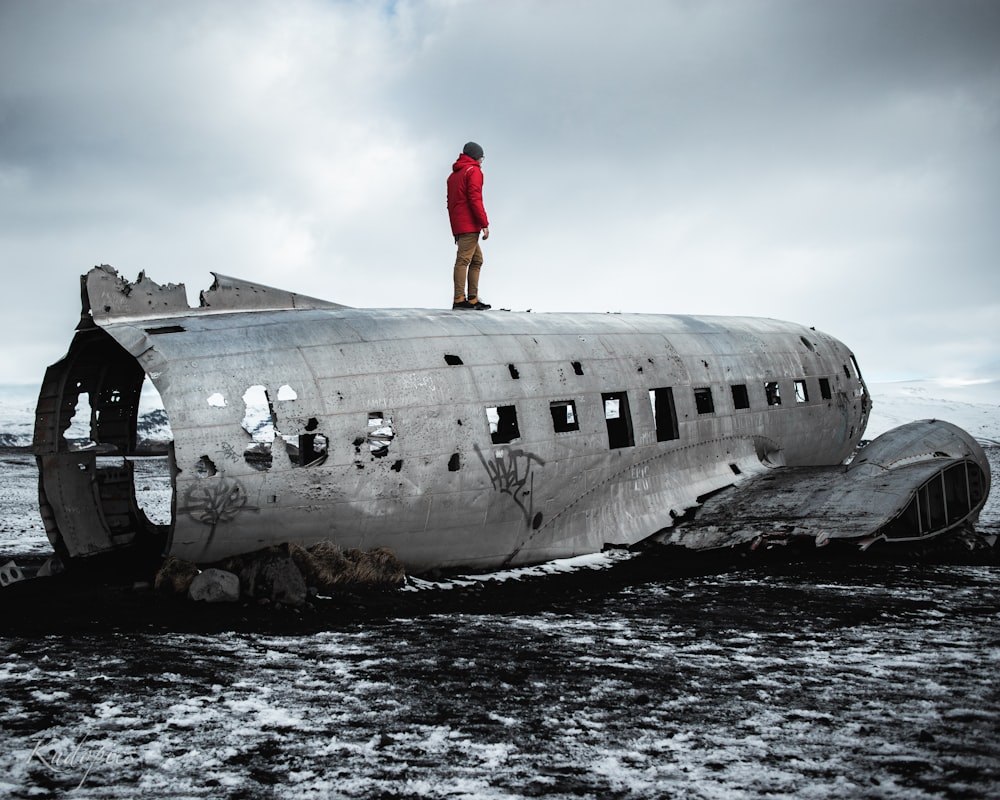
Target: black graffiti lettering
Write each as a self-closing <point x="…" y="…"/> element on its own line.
<point x="512" y="472"/>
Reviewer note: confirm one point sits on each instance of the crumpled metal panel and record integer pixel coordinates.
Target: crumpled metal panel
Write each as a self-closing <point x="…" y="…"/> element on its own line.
<point x="854" y="502"/>
<point x="107" y="296"/>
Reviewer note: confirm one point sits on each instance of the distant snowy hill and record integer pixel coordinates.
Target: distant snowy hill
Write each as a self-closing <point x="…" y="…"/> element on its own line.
<point x="17" y="418"/>
<point x="17" y="414"/>
<point x="975" y="407"/>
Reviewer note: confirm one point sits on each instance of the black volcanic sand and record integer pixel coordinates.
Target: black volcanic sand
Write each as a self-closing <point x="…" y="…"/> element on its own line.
<point x="110" y="599"/>
<point x="776" y="680"/>
<point x="775" y="675"/>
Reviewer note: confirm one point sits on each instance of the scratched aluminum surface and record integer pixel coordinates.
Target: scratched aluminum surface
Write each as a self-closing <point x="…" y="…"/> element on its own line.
<point x="400" y="401"/>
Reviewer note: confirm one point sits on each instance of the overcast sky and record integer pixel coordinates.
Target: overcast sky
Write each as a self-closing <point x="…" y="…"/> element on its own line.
<point x="831" y="163"/>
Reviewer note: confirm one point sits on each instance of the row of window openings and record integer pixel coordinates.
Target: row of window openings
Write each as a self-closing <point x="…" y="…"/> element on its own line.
<point x="310" y="448"/>
<point x="504" y="427"/>
<point x="503" y="419"/>
<point x="772" y="391"/>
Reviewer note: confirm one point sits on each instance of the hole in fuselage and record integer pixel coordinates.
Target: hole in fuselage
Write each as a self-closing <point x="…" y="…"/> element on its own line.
<point x="106" y="442"/>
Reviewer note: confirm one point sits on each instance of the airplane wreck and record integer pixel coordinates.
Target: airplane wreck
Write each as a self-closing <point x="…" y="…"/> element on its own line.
<point x="474" y="440"/>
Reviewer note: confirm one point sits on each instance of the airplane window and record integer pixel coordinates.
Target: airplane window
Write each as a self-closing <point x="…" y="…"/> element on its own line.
<point x="773" y="393"/>
<point x="740" y="397"/>
<point x="824" y="388"/>
<point x="310" y="451"/>
<point x="564" y="416"/>
<point x="664" y="413"/>
<point x="854" y="364"/>
<point x="801" y="392"/>
<point x="703" y="400"/>
<point x="857" y="373"/>
<point x="618" y="419"/>
<point x="503" y="424"/>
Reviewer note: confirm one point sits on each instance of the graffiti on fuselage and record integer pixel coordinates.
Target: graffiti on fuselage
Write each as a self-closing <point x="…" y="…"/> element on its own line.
<point x="512" y="473"/>
<point x="215" y="500"/>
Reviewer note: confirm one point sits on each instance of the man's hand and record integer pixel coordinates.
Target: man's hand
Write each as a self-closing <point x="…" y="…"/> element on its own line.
<point x="486" y="233"/>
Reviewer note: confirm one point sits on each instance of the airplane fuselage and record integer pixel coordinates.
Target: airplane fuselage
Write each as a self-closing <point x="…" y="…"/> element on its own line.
<point x="455" y="438"/>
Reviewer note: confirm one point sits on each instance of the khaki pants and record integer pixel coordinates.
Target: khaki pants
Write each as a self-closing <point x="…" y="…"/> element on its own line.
<point x="468" y="262"/>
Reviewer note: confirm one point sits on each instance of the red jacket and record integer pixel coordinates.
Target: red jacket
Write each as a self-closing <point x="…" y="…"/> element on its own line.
<point x="465" y="197"/>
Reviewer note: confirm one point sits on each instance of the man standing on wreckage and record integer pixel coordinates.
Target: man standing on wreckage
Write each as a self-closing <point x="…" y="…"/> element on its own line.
<point x="468" y="218"/>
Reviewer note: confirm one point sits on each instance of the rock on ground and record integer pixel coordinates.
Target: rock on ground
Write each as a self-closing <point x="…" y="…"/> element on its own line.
<point x="215" y="586"/>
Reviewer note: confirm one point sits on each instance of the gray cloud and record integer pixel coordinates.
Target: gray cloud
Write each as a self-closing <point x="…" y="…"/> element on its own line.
<point x="833" y="163"/>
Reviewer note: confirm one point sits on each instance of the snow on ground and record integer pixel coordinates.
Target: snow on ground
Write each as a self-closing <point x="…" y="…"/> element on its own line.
<point x="875" y="682"/>
<point x="21" y="530"/>
<point x="861" y="683"/>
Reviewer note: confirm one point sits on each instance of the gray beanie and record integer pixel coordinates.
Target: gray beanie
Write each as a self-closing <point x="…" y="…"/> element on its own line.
<point x="473" y="150"/>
